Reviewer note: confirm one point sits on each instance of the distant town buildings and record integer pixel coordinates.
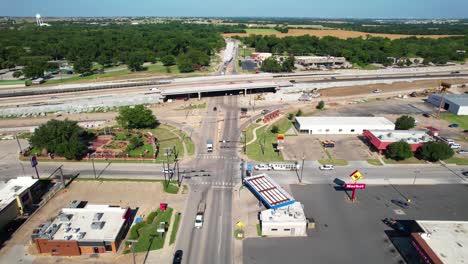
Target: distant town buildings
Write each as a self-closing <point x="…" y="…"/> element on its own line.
<point x="83" y="228"/>
<point x="15" y="197"/>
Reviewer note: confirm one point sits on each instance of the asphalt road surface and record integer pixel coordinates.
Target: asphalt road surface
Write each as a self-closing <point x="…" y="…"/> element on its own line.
<point x="213" y="243"/>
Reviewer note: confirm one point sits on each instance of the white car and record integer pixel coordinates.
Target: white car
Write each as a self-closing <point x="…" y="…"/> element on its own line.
<point x="199" y="221"/>
<point x="261" y="167"/>
<point x="327" y="167"/>
<point x="462" y="151"/>
<point x="377" y="91"/>
<point x="448" y="140"/>
<point x="454" y="145"/>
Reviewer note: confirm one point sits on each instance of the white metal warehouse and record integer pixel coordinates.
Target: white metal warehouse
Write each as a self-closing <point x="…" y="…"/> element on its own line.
<point x="330" y="125"/>
<point x="455" y="103"/>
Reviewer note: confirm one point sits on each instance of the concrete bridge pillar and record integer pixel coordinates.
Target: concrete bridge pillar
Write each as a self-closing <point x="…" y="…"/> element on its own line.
<point x="199" y="95"/>
<point x="245" y="91"/>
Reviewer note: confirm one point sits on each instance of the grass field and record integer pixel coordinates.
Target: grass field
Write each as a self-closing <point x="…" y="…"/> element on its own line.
<point x="335" y="162"/>
<point x="452" y="118"/>
<point x="261" y="31"/>
<point x="327" y="32"/>
<point x="411" y="160"/>
<point x="171" y="188"/>
<point x="167" y="139"/>
<point x="374" y="162"/>
<point x="11" y="82"/>
<point x="175" y="227"/>
<point x="264" y="135"/>
<point x="456" y="160"/>
<point x="148" y="238"/>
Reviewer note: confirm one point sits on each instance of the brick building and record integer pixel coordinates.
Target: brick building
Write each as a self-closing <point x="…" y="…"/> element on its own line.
<point x="83" y="228"/>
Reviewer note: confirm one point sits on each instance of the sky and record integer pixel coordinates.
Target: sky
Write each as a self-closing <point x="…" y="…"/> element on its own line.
<point x="245" y="8"/>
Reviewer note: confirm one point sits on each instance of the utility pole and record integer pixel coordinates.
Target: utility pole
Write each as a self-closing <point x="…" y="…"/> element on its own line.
<point x="242" y="170"/>
<point x="133" y="248"/>
<point x="245" y="139"/>
<point x="302" y="168"/>
<point x="94" y="168"/>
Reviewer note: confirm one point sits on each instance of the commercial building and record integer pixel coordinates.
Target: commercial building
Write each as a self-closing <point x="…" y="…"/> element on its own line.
<point x="441" y="242"/>
<point x="285" y="221"/>
<point x="15" y="197"/>
<point x="259" y="57"/>
<point x="380" y="139"/>
<point x="322" y="61"/>
<point x="329" y="125"/>
<point x="83" y="228"/>
<point x="454" y="103"/>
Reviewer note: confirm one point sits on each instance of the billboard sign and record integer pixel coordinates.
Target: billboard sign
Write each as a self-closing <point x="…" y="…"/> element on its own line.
<point x="358" y="186"/>
<point x="356" y="176"/>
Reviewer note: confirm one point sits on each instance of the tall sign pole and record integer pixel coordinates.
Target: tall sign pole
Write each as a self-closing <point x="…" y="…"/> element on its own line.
<point x="34" y="165"/>
<point x="355" y="176"/>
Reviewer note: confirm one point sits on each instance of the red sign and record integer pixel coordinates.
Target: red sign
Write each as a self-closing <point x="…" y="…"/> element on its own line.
<point x="355" y="186"/>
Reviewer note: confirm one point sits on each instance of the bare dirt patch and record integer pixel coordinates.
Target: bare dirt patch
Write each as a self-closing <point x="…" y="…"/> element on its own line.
<point x="340" y="34"/>
<point x="394" y="87"/>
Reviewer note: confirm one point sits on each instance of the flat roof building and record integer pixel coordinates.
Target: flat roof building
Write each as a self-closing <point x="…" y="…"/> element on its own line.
<point x="326" y="61"/>
<point x="285" y="221"/>
<point x="328" y="125"/>
<point x="380" y="139"/>
<point x="15" y="196"/>
<point x="81" y="229"/>
<point x="454" y="103"/>
<point x="442" y="241"/>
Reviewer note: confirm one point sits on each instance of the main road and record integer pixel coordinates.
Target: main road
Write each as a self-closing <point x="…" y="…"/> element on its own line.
<point x="213" y="243"/>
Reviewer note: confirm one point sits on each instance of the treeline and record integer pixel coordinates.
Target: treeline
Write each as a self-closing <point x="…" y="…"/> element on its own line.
<point x="187" y="45"/>
<point x="368" y="25"/>
<point x="363" y="51"/>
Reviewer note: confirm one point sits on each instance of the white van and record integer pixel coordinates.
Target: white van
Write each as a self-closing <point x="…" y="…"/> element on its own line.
<point x="284" y="166"/>
<point x="454" y="145"/>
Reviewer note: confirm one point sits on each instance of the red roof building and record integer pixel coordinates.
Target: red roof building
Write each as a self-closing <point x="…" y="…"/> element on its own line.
<point x="380" y="139"/>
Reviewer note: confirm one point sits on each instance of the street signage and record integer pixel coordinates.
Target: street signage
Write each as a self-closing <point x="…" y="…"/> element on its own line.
<point x="33" y="161"/>
<point x="280" y="137"/>
<point x="240" y="224"/>
<point x="353" y="186"/>
<point x="249" y="167"/>
<point x="356" y="176"/>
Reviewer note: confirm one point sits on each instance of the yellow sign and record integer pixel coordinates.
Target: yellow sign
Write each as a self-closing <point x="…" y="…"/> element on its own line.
<point x="240" y="224"/>
<point x="356" y="176"/>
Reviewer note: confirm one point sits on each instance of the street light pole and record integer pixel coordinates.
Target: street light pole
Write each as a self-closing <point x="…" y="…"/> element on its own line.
<point x="133" y="248"/>
<point x="415" y="173"/>
<point x="94" y="168"/>
<point x="302" y="167"/>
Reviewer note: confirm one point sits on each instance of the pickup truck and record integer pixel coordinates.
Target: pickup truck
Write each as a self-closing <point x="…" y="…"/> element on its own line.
<point x="199" y="216"/>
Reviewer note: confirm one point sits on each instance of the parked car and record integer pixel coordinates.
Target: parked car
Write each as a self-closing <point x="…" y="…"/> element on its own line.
<point x="400" y="203"/>
<point x="448" y="140"/>
<point x="414" y="94"/>
<point x="377" y="91"/>
<point x="426" y="115"/>
<point x="454" y="125"/>
<point x="465" y="173"/>
<point x="265" y="111"/>
<point x="178" y="257"/>
<point x="454" y="145"/>
<point x="462" y="151"/>
<point x="327" y="167"/>
<point x="261" y="167"/>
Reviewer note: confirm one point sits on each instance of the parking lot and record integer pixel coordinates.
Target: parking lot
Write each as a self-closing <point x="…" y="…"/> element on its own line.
<point x="143" y="196"/>
<point x="356" y="230"/>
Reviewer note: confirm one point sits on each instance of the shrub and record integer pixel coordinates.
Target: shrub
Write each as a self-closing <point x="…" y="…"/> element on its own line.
<point x="321" y="105"/>
<point x="405" y="122"/>
<point x="399" y="151"/>
<point x="134" y="230"/>
<point x="151" y="217"/>
<point x="291" y="116"/>
<point x="274" y="129"/>
<point x="434" y="151"/>
<point x="299" y="112"/>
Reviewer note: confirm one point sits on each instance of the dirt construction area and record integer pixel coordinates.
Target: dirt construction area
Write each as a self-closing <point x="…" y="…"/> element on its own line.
<point x="143" y="196"/>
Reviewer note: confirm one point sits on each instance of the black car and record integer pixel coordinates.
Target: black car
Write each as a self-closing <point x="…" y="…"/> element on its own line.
<point x="178" y="257"/>
<point x="400" y="203"/>
<point x="465" y="173"/>
<point x="426" y="115"/>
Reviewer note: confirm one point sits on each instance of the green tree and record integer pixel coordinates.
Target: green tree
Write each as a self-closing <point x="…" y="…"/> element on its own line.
<point x="135" y="61"/>
<point x="168" y="60"/>
<point x="288" y="64"/>
<point x="321" y="105"/>
<point x="83" y="65"/>
<point x="434" y="151"/>
<point x="290" y="116"/>
<point x="17" y="74"/>
<point x="184" y="64"/>
<point x="35" y="67"/>
<point x="270" y="65"/>
<point x="405" y="122"/>
<point x="399" y="151"/>
<point x="62" y="138"/>
<point x="274" y="129"/>
<point x="136" y="117"/>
